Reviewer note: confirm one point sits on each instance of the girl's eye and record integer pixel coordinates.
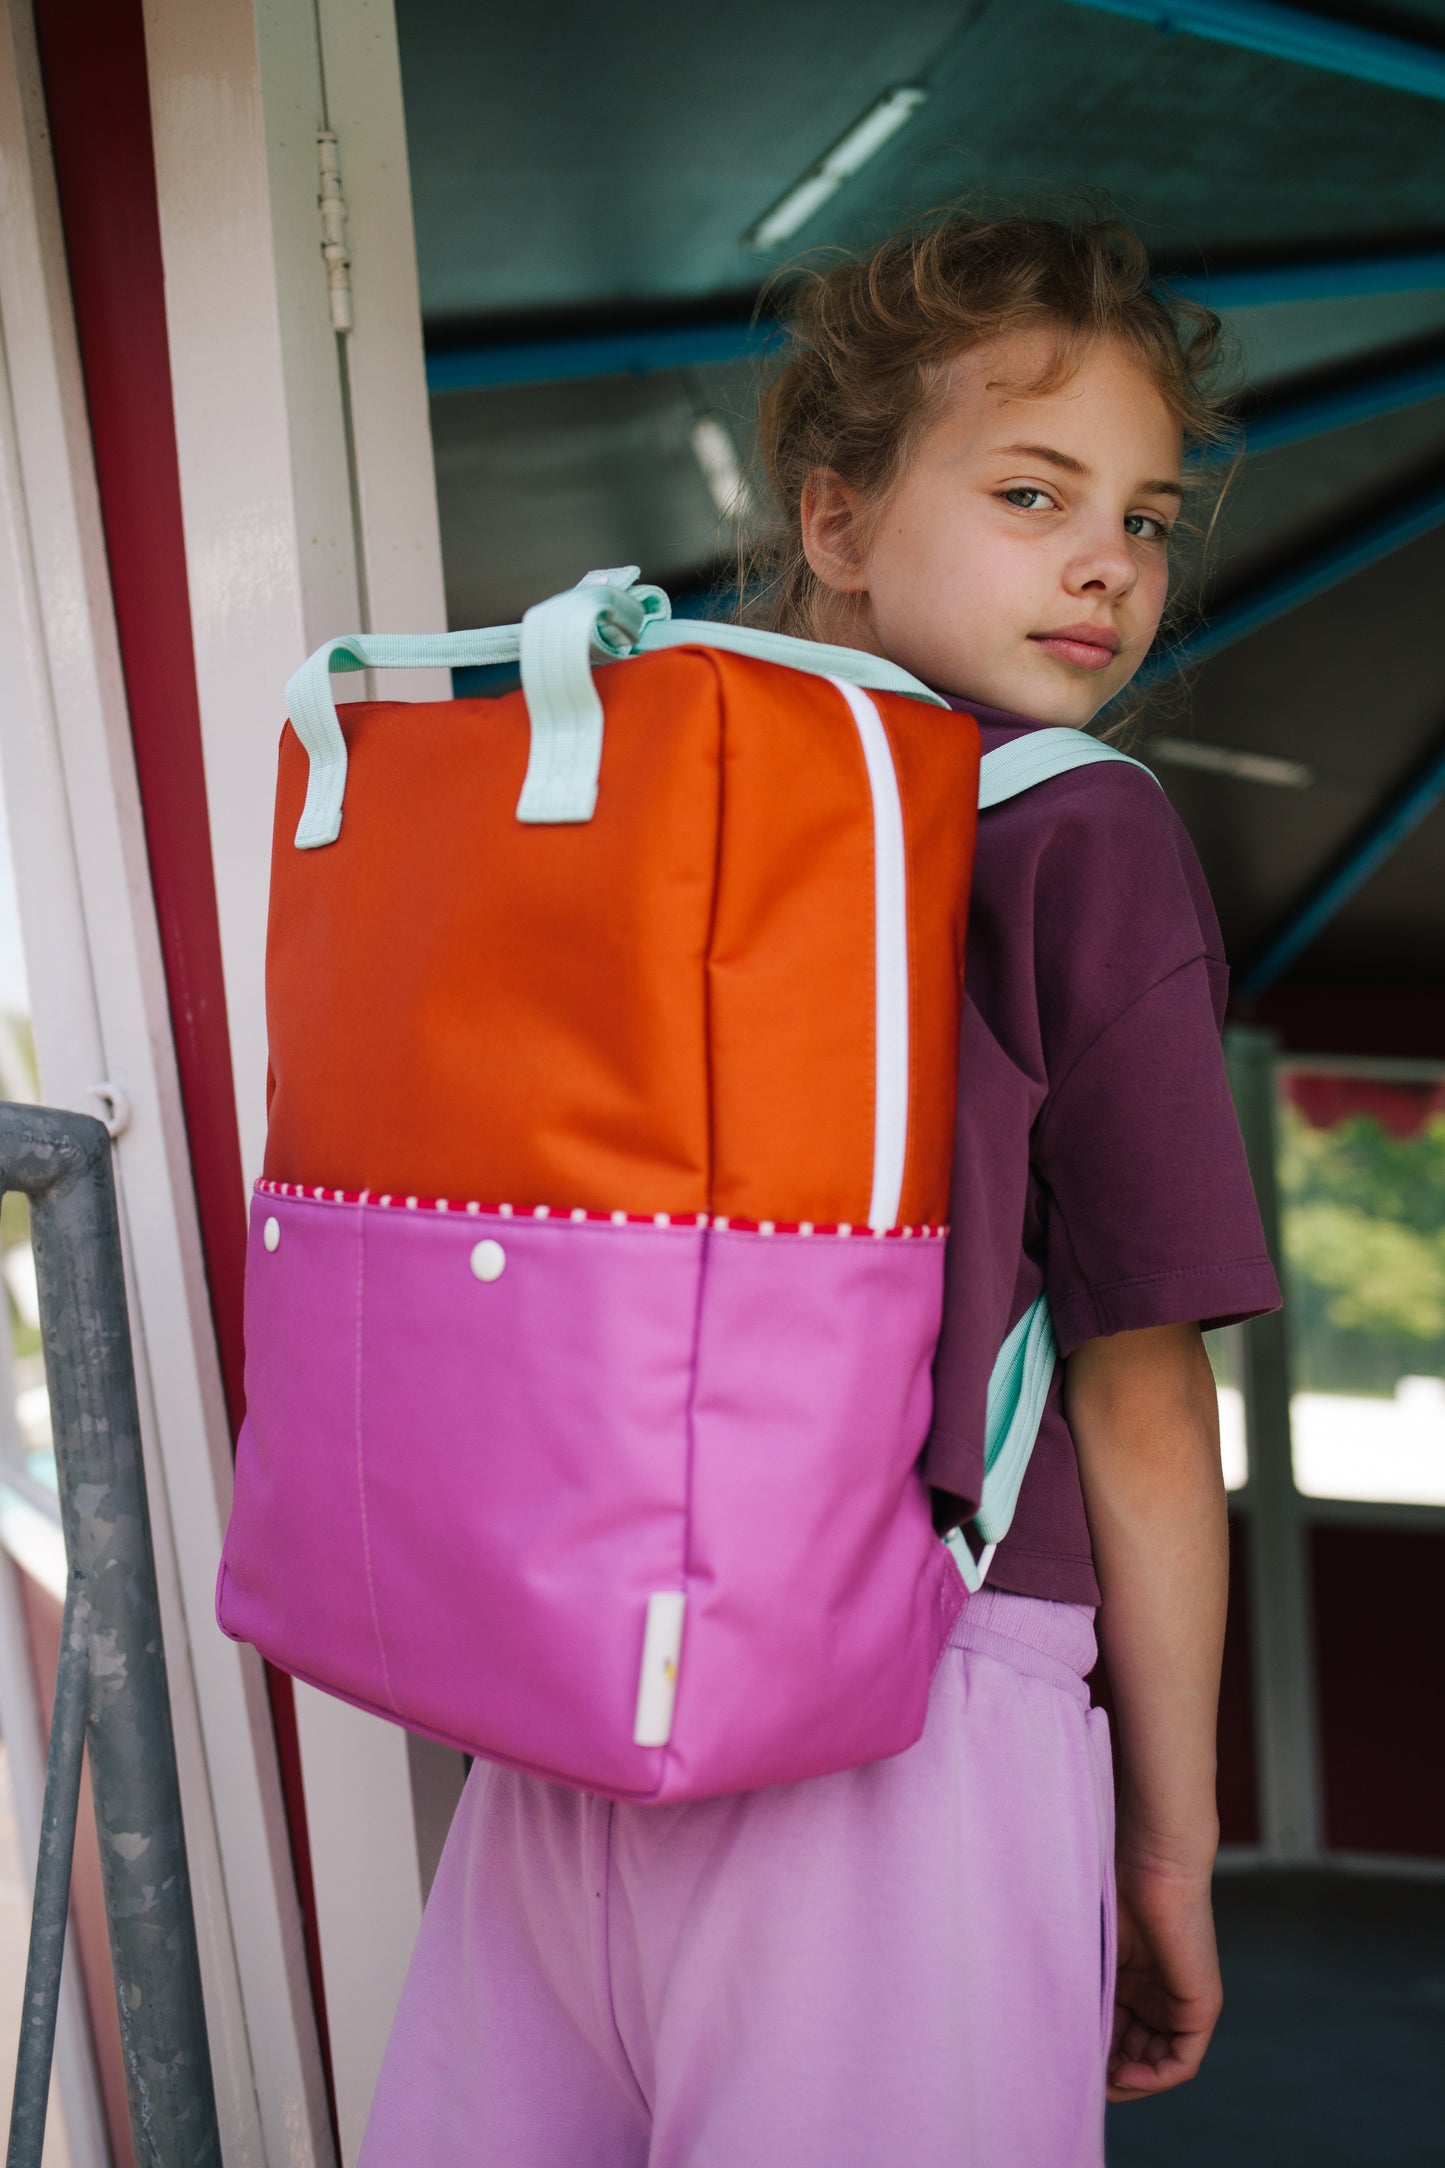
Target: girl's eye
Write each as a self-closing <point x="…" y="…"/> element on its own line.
<point x="1150" y="519"/>
<point x="1025" y="489"/>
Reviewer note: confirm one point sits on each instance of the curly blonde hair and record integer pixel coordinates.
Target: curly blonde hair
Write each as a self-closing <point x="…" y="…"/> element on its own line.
<point x="867" y="340"/>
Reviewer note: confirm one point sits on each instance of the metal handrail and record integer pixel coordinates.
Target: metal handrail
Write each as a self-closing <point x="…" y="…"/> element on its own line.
<point x="110" y="1692"/>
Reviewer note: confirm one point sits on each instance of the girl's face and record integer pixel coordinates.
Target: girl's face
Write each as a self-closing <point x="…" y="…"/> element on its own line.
<point x="1022" y="560"/>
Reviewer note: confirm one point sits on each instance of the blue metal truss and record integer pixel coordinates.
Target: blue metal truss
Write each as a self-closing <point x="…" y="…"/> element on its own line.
<point x="1384" y="391"/>
<point x="1303" y="580"/>
<point x="1383" y="832"/>
<point x="648" y="349"/>
<point x="1298" y="34"/>
<point x="1381" y="835"/>
<point x="1323" y="278"/>
<point x="642" y="351"/>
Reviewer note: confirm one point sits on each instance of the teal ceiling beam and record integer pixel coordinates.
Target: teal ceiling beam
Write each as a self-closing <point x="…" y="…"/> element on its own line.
<point x="1298" y="34"/>
<point x="1327" y="278"/>
<point x="645" y="349"/>
<point x="1364" y="399"/>
<point x="1301" y="581"/>
<point x="1381" y="835"/>
<point x="574" y="357"/>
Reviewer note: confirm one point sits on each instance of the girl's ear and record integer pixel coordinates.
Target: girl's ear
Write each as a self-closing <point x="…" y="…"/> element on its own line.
<point x="830" y="515"/>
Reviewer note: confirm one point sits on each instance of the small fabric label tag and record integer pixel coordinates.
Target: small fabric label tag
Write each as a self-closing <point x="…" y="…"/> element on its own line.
<point x="657" y="1680"/>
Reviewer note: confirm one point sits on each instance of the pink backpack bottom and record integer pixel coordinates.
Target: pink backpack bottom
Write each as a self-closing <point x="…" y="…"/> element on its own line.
<point x="481" y="1446"/>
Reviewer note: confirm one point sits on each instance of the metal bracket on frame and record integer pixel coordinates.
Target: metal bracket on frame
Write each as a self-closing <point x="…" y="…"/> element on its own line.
<point x="333" y="233"/>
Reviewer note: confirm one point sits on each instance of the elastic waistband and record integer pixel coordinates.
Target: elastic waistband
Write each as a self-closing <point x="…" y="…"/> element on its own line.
<point x="1044" y="1640"/>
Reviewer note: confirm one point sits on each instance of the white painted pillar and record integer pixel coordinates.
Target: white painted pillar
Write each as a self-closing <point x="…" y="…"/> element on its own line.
<point x="309" y="506"/>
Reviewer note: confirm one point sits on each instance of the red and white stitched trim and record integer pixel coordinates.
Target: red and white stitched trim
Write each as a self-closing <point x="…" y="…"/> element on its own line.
<point x="317" y="1193"/>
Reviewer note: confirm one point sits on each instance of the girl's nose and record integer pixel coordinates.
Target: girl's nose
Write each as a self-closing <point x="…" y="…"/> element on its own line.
<point x="1105" y="564"/>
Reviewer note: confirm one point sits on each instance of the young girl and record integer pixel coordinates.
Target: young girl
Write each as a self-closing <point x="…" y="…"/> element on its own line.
<point x="977" y="448"/>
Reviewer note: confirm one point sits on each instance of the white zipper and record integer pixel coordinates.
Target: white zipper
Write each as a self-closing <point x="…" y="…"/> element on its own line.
<point x="890" y="946"/>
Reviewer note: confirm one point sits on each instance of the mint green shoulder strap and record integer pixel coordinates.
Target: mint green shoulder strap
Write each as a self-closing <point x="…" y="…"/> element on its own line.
<point x="1019" y="1384"/>
<point x="872" y="672"/>
<point x="1036" y="757"/>
<point x="1017" y="1390"/>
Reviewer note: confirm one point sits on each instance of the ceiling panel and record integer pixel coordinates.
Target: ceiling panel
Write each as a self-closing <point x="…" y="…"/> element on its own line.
<point x="579" y="157"/>
<point x="1291" y="338"/>
<point x="567" y="158"/>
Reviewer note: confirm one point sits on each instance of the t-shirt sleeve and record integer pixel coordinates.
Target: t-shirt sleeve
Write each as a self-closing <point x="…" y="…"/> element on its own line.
<point x="1150" y="1211"/>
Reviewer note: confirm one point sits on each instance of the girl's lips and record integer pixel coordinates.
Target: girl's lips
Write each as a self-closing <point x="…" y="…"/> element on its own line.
<point x="1084" y="654"/>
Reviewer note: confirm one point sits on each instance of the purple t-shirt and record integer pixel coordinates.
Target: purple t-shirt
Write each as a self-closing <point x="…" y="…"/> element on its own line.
<point x="1097" y="1153"/>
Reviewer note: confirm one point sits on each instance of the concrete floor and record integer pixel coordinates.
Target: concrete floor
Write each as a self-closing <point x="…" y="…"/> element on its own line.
<point x="1331" y="2050"/>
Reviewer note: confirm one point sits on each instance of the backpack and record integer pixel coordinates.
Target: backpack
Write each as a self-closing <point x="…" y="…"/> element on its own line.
<point x="595" y="1271"/>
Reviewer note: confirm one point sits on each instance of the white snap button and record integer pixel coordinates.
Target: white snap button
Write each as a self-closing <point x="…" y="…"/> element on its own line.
<point x="271" y="1233"/>
<point x="489" y="1260"/>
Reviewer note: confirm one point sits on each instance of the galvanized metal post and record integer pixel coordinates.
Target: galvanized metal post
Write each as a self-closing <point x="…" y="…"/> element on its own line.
<point x="112" y="1684"/>
<point x="51" y="1907"/>
<point x="1286" y="1747"/>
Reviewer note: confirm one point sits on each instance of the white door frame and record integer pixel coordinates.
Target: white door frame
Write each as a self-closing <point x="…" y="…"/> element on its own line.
<point x="101" y="1013"/>
<point x="310" y="510"/>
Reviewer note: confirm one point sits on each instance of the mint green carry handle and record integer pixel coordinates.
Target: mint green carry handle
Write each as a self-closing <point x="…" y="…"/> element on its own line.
<point x="607" y="616"/>
<point x="313" y="711"/>
<point x="602" y="618"/>
<point x="599" y="619"/>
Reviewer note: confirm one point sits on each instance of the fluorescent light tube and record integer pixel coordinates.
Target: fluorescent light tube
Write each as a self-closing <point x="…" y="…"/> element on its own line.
<point x="863" y="141"/>
<point x="717" y="456"/>
<point x="1223" y="760"/>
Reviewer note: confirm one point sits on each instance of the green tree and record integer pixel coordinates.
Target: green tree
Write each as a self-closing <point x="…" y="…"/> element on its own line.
<point x="1364" y="1242"/>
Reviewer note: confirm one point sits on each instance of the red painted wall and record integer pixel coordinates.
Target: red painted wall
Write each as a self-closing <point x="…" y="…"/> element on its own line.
<point x="1380" y="1651"/>
<point x="1402" y="1023"/>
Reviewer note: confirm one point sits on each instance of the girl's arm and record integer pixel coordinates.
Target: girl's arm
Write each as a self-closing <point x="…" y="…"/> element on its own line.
<point x="1145" y="1419"/>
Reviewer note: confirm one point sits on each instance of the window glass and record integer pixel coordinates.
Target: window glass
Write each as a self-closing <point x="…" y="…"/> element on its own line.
<point x="1362" y="1196"/>
<point x="1224" y="1356"/>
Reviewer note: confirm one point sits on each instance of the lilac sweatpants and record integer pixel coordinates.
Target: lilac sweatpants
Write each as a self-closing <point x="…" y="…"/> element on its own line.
<point x="906" y="1963"/>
